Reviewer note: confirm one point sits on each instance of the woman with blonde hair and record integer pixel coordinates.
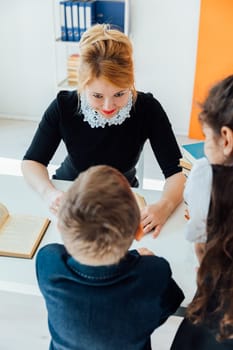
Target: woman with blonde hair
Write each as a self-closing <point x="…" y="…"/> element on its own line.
<point x="105" y="121"/>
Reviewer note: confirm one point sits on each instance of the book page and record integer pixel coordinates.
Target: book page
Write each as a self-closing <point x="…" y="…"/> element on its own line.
<point x="21" y="234"/>
<point x="185" y="164"/>
<point x="140" y="200"/>
<point x="3" y="214"/>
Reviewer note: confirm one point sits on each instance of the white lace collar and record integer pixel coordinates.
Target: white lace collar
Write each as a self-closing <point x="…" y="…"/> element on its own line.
<point x="96" y="120"/>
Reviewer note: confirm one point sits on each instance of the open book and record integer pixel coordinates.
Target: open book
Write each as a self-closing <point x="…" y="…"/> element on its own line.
<point x="20" y="235"/>
<point x="140" y="200"/>
<point x="141" y="203"/>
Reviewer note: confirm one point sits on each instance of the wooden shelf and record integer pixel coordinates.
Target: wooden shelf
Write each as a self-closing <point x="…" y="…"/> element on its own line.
<point x="63" y="49"/>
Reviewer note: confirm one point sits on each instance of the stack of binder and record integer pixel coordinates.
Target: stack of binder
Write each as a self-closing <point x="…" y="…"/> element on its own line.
<point x="185" y="165"/>
<point x="72" y="67"/>
<point x="191" y="152"/>
<point x="111" y="12"/>
<point x="77" y="16"/>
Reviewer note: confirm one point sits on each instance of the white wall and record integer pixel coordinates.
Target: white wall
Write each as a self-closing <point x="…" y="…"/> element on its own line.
<point x="27" y="75"/>
<point x="164" y="33"/>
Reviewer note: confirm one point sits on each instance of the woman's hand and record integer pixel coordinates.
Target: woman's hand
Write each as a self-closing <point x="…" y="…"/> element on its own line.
<point x="54" y="198"/>
<point x="144" y="251"/>
<point x="154" y="216"/>
<point x="37" y="176"/>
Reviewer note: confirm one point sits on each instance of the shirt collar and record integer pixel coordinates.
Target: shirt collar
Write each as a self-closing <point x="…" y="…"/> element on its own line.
<point x="103" y="274"/>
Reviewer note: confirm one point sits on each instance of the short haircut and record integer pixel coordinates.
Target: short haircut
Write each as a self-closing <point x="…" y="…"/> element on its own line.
<point x="99" y="215"/>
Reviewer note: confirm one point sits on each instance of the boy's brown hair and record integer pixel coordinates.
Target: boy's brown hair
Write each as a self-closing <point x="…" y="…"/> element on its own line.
<point x="99" y="215"/>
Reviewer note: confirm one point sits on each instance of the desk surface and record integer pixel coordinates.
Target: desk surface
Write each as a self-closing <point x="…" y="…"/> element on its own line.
<point x="18" y="275"/>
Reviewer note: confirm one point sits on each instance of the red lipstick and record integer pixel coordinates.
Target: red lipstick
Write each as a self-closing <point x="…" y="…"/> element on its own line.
<point x="109" y="112"/>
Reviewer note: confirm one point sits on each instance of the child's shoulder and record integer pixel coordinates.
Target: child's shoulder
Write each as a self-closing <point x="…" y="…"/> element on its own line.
<point x="50" y="255"/>
<point x="156" y="273"/>
<point x="156" y="266"/>
<point x="200" y="175"/>
<point x="200" y="165"/>
<point x="50" y="248"/>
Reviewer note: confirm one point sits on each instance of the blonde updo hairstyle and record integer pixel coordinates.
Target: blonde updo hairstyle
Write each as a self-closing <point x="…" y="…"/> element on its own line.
<point x="106" y="53"/>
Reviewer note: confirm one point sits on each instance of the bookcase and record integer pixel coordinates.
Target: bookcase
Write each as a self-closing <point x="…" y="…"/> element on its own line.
<point x="66" y="51"/>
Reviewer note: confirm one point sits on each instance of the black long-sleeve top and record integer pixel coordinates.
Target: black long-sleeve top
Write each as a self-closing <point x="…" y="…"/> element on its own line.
<point x="116" y="145"/>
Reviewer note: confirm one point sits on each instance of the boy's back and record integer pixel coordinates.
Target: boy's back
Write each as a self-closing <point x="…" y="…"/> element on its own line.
<point x="105" y="307"/>
<point x="98" y="295"/>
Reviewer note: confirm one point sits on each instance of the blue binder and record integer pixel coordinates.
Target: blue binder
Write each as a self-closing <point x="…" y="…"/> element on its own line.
<point x="69" y="23"/>
<point x="75" y="21"/>
<point x="111" y="12"/>
<point x="89" y="13"/>
<point x="81" y="17"/>
<point x="62" y="9"/>
<point x="193" y="151"/>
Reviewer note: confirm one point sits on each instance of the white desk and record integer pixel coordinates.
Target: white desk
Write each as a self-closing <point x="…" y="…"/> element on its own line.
<point x="18" y="275"/>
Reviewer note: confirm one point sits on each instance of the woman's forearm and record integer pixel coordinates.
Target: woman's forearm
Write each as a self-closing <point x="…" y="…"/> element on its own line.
<point x="37" y="176"/>
<point x="154" y="216"/>
<point x="173" y="191"/>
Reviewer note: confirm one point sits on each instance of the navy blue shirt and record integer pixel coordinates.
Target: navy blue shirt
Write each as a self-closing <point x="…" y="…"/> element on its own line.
<point x="114" y="307"/>
<point x="119" y="146"/>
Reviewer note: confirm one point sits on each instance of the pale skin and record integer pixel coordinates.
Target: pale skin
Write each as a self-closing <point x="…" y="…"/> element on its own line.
<point x="200" y="251"/>
<point x="144" y="251"/>
<point x="37" y="176"/>
<point x="108" y="99"/>
<point x="87" y="260"/>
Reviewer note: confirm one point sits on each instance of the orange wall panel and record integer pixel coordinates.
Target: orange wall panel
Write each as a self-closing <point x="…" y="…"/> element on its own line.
<point x="214" y="53"/>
